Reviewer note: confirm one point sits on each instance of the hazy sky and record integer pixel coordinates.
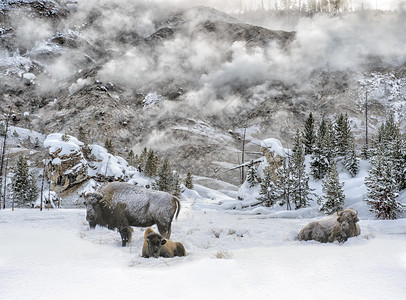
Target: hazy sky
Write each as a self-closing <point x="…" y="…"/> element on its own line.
<point x="236" y="5"/>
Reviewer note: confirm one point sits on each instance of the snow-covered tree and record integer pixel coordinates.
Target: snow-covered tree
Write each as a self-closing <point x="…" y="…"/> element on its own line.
<point x="300" y="194"/>
<point x="319" y="164"/>
<point x="189" y="180"/>
<point x="309" y="136"/>
<point x="351" y="162"/>
<point x="164" y="181"/>
<point x="333" y="198"/>
<point x="252" y="176"/>
<point x="177" y="188"/>
<point x="390" y="144"/>
<point x="25" y="188"/>
<point x="131" y="158"/>
<point x="382" y="190"/>
<point x="151" y="164"/>
<point x="268" y="194"/>
<point x="342" y="135"/>
<point x="283" y="183"/>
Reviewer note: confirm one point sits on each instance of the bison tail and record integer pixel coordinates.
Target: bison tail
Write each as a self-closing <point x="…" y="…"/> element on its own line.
<point x="177" y="202"/>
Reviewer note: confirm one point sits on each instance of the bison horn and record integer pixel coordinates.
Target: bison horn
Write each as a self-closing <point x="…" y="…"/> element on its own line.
<point x="103" y="204"/>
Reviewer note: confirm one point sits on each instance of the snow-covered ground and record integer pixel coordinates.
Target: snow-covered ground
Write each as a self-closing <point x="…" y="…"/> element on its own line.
<point x="53" y="255"/>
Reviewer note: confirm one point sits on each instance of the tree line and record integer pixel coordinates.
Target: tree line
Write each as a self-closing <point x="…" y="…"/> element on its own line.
<point x="331" y="146"/>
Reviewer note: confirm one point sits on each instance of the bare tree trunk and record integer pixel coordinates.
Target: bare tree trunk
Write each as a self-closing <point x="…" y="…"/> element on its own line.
<point x="2" y="156"/>
<point x="242" y="156"/>
<point x="5" y="181"/>
<point x="42" y="185"/>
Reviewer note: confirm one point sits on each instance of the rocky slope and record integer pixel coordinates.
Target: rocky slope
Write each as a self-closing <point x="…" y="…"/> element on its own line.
<point x="185" y="83"/>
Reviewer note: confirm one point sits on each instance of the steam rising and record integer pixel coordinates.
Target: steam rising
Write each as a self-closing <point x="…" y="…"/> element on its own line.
<point x="215" y="74"/>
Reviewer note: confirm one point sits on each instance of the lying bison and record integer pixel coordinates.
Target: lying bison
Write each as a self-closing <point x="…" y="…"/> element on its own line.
<point x="155" y="245"/>
<point x="119" y="205"/>
<point x="338" y="227"/>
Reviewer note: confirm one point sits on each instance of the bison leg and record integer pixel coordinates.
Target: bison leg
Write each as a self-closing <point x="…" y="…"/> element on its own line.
<point x="164" y="230"/>
<point x="126" y="234"/>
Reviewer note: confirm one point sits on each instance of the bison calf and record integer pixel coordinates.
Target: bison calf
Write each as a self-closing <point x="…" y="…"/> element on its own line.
<point x="155" y="245"/>
<point x="338" y="227"/>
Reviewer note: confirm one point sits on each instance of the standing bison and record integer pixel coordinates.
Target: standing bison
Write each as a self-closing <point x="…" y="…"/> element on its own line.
<point x="120" y="205"/>
<point x="337" y="227"/>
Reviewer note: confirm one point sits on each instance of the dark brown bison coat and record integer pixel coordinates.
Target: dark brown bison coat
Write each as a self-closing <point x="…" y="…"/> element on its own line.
<point x="155" y="245"/>
<point x="120" y="205"/>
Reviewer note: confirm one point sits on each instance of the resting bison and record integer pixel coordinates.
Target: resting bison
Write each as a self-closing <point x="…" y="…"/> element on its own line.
<point x="338" y="227"/>
<point x="155" y="245"/>
<point x="119" y="205"/>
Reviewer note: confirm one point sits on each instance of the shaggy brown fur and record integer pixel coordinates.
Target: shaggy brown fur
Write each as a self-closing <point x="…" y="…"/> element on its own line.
<point x="338" y="227"/>
<point x="121" y="205"/>
<point x="155" y="245"/>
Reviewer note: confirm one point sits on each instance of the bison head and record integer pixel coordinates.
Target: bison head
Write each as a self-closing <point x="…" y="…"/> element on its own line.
<point x="347" y="215"/>
<point x="155" y="242"/>
<point x="93" y="209"/>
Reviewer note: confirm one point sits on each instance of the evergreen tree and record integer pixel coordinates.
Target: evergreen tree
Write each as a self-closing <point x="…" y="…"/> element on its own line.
<point x="319" y="164"/>
<point x="365" y="152"/>
<point x="382" y="190"/>
<point x="143" y="158"/>
<point x="267" y="194"/>
<point x="252" y="176"/>
<point x="164" y="182"/>
<point x="131" y="158"/>
<point x="333" y="192"/>
<point x="329" y="144"/>
<point x="177" y="188"/>
<point x="390" y="144"/>
<point x="284" y="183"/>
<point x="309" y="137"/>
<point x="301" y="191"/>
<point x="342" y="135"/>
<point x="396" y="152"/>
<point x="23" y="183"/>
<point x="351" y="162"/>
<point x="108" y="144"/>
<point x="151" y="164"/>
<point x="32" y="191"/>
<point x="189" y="180"/>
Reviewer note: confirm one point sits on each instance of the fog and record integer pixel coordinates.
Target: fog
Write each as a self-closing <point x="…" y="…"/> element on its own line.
<point x="216" y="73"/>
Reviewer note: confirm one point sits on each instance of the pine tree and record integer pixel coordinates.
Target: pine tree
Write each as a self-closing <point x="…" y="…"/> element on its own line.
<point x="333" y="192"/>
<point x="319" y="164"/>
<point x="151" y="164"/>
<point x="177" y="188"/>
<point x="189" y="180"/>
<point x="164" y="182"/>
<point x="351" y="162"/>
<point x="143" y="158"/>
<point x="21" y="181"/>
<point x="309" y="137"/>
<point x="284" y="183"/>
<point x="301" y="191"/>
<point x="252" y="177"/>
<point x="108" y="144"/>
<point x="32" y="191"/>
<point x="342" y="135"/>
<point x="267" y="193"/>
<point x="131" y="158"/>
<point x="382" y="190"/>
<point x="389" y="143"/>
